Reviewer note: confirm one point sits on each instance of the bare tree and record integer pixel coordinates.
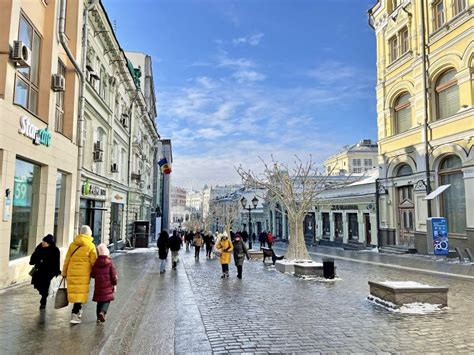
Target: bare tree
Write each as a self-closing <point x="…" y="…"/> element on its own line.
<point x="227" y="211"/>
<point x="296" y="189"/>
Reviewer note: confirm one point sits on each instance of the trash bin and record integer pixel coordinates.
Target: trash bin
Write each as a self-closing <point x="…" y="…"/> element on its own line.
<point x="328" y="269"/>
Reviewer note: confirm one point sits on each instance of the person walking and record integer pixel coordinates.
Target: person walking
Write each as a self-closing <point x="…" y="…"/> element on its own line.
<point x="175" y="243"/>
<point x="270" y="239"/>
<point x="45" y="259"/>
<point x="225" y="247"/>
<point x="80" y="259"/>
<point x="254" y="237"/>
<point x="262" y="238"/>
<point x="240" y="252"/>
<point x="163" y="247"/>
<point x="197" y="241"/>
<point x="209" y="244"/>
<point x="105" y="283"/>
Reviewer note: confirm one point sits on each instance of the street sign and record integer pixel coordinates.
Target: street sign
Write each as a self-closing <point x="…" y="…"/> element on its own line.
<point x="438" y="235"/>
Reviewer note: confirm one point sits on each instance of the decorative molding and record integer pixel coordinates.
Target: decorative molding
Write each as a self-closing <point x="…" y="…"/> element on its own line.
<point x="382" y="190"/>
<point x="420" y="185"/>
<point x="468" y="173"/>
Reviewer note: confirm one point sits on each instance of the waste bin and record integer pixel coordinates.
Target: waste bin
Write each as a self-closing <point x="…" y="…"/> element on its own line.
<point x="328" y="269"/>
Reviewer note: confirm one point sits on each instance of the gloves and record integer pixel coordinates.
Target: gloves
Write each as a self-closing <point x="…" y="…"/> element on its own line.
<point x="248" y="257"/>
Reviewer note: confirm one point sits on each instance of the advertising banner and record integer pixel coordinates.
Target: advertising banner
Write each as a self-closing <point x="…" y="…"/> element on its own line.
<point x="438" y="229"/>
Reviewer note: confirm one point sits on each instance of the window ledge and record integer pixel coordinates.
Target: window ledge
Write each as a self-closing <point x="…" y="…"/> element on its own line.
<point x="31" y="113"/>
<point x="452" y="24"/>
<point x="462" y="113"/>
<point x="402" y="135"/>
<point x="400" y="61"/>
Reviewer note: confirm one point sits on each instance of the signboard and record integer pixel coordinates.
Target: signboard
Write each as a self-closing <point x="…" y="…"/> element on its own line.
<point x="38" y="136"/>
<point x="438" y="235"/>
<point x="22" y="192"/>
<point x="92" y="190"/>
<point x="7" y="214"/>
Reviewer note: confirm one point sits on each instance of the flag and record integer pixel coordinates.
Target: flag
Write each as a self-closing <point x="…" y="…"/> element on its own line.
<point x="165" y="166"/>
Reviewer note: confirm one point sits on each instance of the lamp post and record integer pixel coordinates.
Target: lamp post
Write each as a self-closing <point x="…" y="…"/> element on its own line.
<point x="243" y="201"/>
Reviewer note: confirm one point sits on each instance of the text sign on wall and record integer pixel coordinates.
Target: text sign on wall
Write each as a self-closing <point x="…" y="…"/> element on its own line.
<point x="39" y="136"/>
<point x="438" y="229"/>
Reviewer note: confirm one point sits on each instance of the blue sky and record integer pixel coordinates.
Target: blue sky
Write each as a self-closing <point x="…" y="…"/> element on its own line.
<point x="240" y="79"/>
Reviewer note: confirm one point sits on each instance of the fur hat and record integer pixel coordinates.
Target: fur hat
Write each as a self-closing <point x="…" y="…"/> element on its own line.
<point x="85" y="230"/>
<point x="103" y="250"/>
<point x="49" y="239"/>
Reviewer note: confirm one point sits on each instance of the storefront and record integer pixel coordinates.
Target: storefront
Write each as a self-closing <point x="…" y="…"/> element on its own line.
<point x="92" y="209"/>
<point x="117" y="223"/>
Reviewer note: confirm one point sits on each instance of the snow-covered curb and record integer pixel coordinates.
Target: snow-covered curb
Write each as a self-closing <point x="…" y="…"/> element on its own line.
<point x="405" y="284"/>
<point x="409" y="308"/>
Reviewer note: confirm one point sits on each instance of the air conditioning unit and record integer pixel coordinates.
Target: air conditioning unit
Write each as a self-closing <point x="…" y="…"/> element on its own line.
<point x="98" y="146"/>
<point x="136" y="176"/>
<point x="58" y="83"/>
<point x="114" y="168"/>
<point x="92" y="74"/>
<point x="98" y="156"/>
<point x="21" y="54"/>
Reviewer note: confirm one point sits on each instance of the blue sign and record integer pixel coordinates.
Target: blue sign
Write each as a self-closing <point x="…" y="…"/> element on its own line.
<point x="439" y="230"/>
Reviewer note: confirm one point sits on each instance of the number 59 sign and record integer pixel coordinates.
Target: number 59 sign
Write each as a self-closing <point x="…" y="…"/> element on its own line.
<point x="21" y="195"/>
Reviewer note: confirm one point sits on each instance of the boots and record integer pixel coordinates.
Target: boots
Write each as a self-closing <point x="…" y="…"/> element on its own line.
<point x="174" y="265"/>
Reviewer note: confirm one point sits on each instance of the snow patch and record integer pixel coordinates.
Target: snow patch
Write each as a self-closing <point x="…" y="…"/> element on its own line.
<point x="142" y="250"/>
<point x="318" y="279"/>
<point x="409" y="308"/>
<point x="404" y="284"/>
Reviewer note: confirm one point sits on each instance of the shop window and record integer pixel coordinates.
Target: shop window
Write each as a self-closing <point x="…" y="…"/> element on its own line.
<point x="453" y="200"/>
<point x="91" y="214"/>
<point x="25" y="209"/>
<point x="338" y="226"/>
<point x="60" y="205"/>
<point x="447" y="95"/>
<point x="404" y="170"/>
<point x="59" y="119"/>
<point x="438" y="14"/>
<point x="26" y="81"/>
<point x="458" y="6"/>
<point x="326" y="224"/>
<point x="402" y="111"/>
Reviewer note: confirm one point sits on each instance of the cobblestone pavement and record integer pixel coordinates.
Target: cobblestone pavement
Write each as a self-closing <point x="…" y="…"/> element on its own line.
<point x="192" y="310"/>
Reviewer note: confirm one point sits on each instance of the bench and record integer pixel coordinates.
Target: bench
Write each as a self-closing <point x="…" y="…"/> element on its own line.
<point x="270" y="253"/>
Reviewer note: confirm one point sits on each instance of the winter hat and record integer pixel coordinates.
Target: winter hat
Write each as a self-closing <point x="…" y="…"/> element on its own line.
<point x="103" y="250"/>
<point x="49" y="239"/>
<point x="85" y="230"/>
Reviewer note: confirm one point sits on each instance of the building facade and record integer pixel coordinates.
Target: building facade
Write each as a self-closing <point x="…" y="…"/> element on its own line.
<point x="354" y="159"/>
<point x="425" y="107"/>
<point x="38" y="116"/>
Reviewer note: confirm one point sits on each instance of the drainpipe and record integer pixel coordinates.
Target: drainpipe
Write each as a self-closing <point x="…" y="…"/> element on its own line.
<point x="425" y="104"/>
<point x="377" y="209"/>
<point x="80" y="73"/>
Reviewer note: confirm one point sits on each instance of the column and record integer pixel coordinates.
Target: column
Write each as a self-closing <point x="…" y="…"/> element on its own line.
<point x="345" y="227"/>
<point x="332" y="226"/>
<point x="361" y="225"/>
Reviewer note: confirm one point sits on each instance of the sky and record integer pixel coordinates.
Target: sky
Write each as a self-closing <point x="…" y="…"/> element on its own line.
<point x="241" y="79"/>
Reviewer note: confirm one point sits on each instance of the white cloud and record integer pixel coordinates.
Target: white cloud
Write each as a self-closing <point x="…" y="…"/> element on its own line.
<point x="252" y="40"/>
<point x="248" y="76"/>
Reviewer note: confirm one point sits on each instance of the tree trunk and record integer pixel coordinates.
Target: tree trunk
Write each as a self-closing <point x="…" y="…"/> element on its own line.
<point x="297" y="246"/>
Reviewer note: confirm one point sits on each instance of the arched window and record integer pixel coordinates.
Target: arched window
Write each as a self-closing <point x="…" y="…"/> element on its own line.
<point x="453" y="200"/>
<point x="402" y="111"/>
<point x="404" y="170"/>
<point x="447" y="95"/>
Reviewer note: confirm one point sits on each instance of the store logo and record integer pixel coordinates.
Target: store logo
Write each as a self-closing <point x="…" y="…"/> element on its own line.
<point x="92" y="190"/>
<point x="38" y="136"/>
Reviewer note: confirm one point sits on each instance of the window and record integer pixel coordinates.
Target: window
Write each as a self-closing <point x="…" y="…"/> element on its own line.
<point x="404" y="41"/>
<point x="357" y="170"/>
<point x="447" y="95"/>
<point x="59" y="119"/>
<point x="393" y="43"/>
<point x="368" y="162"/>
<point x="438" y="14"/>
<point x="458" y="6"/>
<point x="356" y="162"/>
<point x="402" y="113"/>
<point x="25" y="208"/>
<point x="26" y="81"/>
<point x="404" y="170"/>
<point x="59" y="207"/>
<point x="453" y="200"/>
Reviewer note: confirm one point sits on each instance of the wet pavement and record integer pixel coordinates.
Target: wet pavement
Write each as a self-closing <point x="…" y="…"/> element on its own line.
<point x="192" y="310"/>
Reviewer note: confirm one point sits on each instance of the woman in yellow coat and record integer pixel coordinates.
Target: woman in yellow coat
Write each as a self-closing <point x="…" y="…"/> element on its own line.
<point x="225" y="247"/>
<point x="80" y="258"/>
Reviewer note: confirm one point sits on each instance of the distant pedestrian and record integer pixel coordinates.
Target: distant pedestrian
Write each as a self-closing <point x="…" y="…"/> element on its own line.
<point x="105" y="277"/>
<point x="80" y="259"/>
<point x="225" y="247"/>
<point x="197" y="241"/>
<point x="245" y="236"/>
<point x="45" y="259"/>
<point x="270" y="239"/>
<point x="188" y="237"/>
<point x="254" y="237"/>
<point x="240" y="252"/>
<point x="163" y="247"/>
<point x="262" y="239"/>
<point x="175" y="243"/>
<point x="209" y="240"/>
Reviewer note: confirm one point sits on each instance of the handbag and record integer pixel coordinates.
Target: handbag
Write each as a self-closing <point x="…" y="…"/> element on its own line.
<point x="33" y="271"/>
<point x="60" y="300"/>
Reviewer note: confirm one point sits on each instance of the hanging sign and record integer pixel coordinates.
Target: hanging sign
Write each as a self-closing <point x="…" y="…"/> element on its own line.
<point x="39" y="136"/>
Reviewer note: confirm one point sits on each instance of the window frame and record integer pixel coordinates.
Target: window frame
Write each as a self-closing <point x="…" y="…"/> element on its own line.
<point x="59" y="106"/>
<point x="393" y="48"/>
<point x="399" y="107"/>
<point x="440" y="88"/>
<point x="404" y="41"/>
<point x="458" y="6"/>
<point x="437" y="24"/>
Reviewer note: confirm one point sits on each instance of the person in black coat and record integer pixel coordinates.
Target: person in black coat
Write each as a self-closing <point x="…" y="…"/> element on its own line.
<point x="45" y="259"/>
<point x="175" y="243"/>
<point x="163" y="248"/>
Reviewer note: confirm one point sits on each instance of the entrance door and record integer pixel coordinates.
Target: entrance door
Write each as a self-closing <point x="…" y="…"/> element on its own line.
<point x="406" y="216"/>
<point x="338" y="227"/>
<point x="353" y="227"/>
<point x="309" y="228"/>
<point x="116" y="212"/>
<point x="368" y="229"/>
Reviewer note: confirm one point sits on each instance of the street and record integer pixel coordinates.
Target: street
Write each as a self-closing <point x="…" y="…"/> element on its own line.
<point x="192" y="310"/>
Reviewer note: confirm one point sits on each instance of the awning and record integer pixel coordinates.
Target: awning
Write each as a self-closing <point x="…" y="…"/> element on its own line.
<point x="437" y="192"/>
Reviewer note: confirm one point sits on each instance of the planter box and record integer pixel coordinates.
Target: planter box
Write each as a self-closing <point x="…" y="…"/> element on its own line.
<point x="401" y="293"/>
<point x="255" y="254"/>
<point x="284" y="266"/>
<point x="309" y="269"/>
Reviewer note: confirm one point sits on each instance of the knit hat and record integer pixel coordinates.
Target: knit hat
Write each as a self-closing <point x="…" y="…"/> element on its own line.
<point x="85" y="230"/>
<point x="103" y="250"/>
<point x="49" y="239"/>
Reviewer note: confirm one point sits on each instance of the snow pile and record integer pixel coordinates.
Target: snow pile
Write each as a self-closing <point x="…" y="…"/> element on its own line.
<point x="142" y="250"/>
<point x="317" y="278"/>
<point x="305" y="263"/>
<point x="404" y="284"/>
<point x="409" y="308"/>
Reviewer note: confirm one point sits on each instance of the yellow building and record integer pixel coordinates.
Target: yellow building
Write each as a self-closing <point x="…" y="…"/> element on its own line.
<point x="354" y="159"/>
<point x="425" y="97"/>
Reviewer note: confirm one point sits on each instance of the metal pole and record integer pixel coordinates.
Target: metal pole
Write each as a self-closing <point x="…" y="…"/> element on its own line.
<point x="250" y="228"/>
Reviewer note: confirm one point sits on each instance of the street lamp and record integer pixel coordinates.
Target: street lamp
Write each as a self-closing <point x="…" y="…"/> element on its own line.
<point x="243" y="201"/>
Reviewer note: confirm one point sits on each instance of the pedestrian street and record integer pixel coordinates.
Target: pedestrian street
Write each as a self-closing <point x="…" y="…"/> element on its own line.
<point x="193" y="310"/>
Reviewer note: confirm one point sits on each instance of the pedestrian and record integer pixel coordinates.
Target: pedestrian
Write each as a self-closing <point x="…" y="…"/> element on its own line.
<point x="197" y="241"/>
<point x="80" y="259"/>
<point x="254" y="237"/>
<point x="270" y="239"/>
<point x="105" y="283"/>
<point x="262" y="238"/>
<point x="240" y="252"/>
<point x="188" y="238"/>
<point x="225" y="247"/>
<point x="209" y="244"/>
<point x="244" y="236"/>
<point x="45" y="259"/>
<point x="163" y="248"/>
<point x="175" y="243"/>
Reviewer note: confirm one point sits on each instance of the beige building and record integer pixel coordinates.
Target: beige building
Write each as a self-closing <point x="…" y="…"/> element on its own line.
<point x="38" y="110"/>
<point x="354" y="159"/>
